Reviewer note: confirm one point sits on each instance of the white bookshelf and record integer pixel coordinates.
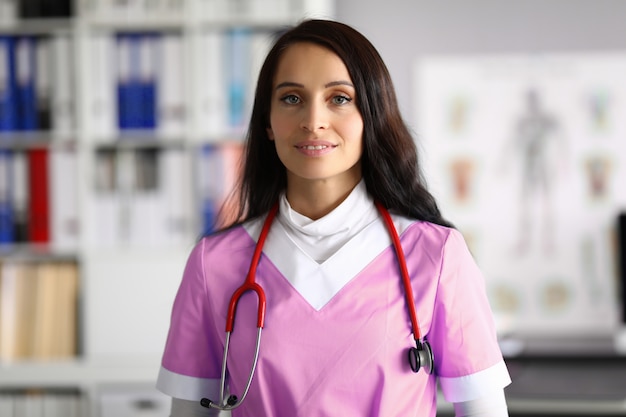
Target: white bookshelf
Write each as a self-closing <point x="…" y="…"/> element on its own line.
<point x="127" y="288"/>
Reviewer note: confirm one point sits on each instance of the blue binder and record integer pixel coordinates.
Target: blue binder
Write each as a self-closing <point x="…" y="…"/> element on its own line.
<point x="25" y="79"/>
<point x="8" y="96"/>
<point x="147" y="82"/>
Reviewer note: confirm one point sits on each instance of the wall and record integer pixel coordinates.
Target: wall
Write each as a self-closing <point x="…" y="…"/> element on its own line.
<point x="405" y="29"/>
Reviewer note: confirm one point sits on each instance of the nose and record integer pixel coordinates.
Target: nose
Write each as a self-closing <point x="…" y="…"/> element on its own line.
<point x="315" y="117"/>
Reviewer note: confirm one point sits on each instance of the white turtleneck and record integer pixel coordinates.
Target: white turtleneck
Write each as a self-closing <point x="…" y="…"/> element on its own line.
<point x="321" y="238"/>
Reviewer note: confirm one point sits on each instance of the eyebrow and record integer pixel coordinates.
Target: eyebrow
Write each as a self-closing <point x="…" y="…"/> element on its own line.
<point x="298" y="85"/>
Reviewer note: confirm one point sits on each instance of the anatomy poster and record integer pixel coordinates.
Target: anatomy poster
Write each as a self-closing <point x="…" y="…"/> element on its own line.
<point x="527" y="157"/>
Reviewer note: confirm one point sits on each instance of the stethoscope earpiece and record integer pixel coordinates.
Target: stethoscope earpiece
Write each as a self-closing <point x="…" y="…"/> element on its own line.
<point x="421" y="357"/>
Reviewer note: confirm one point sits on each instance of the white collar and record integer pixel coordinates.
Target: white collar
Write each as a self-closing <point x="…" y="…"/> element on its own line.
<point x="322" y="237"/>
<point x="339" y="220"/>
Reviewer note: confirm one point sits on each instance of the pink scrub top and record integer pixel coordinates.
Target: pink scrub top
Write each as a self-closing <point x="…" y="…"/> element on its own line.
<point x="336" y="333"/>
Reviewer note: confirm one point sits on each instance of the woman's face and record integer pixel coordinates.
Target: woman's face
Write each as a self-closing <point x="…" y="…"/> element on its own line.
<point x="314" y="121"/>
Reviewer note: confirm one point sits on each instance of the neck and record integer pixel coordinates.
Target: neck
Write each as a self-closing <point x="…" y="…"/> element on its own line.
<point x="315" y="199"/>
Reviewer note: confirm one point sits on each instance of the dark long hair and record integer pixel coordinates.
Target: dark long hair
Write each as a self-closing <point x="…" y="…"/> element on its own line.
<point x="389" y="162"/>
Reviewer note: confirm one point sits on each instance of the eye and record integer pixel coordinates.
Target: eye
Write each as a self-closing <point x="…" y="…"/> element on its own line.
<point x="340" y="100"/>
<point x="290" y="99"/>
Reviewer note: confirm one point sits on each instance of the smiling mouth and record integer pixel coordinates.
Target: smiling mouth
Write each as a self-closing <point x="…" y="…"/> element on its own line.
<point x="314" y="147"/>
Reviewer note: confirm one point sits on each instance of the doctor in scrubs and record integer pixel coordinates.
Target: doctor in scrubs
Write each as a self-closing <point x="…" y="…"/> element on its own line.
<point x="326" y="143"/>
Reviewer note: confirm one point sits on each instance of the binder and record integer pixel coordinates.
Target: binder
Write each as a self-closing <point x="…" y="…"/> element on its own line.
<point x="218" y="170"/>
<point x="43" y="83"/>
<point x="65" y="328"/>
<point x="142" y="193"/>
<point x="260" y="44"/>
<point x="57" y="8"/>
<point x="39" y="228"/>
<point x="136" y="81"/>
<point x="146" y="84"/>
<point x="103" y="103"/>
<point x="30" y="8"/>
<point x="238" y="61"/>
<point x="63" y="118"/>
<point x="125" y="177"/>
<point x="25" y="303"/>
<point x="47" y="308"/>
<point x="125" y="106"/>
<point x="171" y="108"/>
<point x="6" y="197"/>
<point x="209" y="190"/>
<point x="64" y="216"/>
<point x="25" y="78"/>
<point x="8" y="94"/>
<point x="176" y="179"/>
<point x="20" y="196"/>
<point x="8" y="310"/>
<point x="105" y="215"/>
<point x="211" y="94"/>
<point x="45" y="8"/>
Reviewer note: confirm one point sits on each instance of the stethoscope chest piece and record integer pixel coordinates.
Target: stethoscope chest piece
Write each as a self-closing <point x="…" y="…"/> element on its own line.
<point x="421" y="357"/>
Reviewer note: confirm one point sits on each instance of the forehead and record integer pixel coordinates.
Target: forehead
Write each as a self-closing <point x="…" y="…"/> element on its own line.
<point x="306" y="59"/>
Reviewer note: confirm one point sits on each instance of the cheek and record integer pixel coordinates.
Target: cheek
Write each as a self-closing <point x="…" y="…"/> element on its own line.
<point x="279" y="127"/>
<point x="353" y="129"/>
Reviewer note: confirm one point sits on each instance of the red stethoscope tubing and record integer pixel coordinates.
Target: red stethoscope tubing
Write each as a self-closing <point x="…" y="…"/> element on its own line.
<point x="250" y="284"/>
<point x="406" y="280"/>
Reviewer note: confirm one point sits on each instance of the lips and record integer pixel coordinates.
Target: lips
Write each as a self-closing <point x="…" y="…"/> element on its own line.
<point x="315" y="145"/>
<point x="315" y="148"/>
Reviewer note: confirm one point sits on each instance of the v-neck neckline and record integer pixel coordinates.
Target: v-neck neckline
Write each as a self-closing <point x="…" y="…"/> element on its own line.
<point x="318" y="283"/>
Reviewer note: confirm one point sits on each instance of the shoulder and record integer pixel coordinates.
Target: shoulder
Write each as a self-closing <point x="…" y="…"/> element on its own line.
<point x="430" y="234"/>
<point x="439" y="244"/>
<point x="224" y="244"/>
<point x="220" y="256"/>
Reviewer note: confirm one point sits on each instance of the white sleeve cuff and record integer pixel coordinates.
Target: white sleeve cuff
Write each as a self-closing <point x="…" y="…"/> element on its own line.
<point x="187" y="387"/>
<point x="493" y="405"/>
<point x="477" y="385"/>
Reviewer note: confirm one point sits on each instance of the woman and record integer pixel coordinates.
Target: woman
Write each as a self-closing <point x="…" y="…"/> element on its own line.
<point x="326" y="141"/>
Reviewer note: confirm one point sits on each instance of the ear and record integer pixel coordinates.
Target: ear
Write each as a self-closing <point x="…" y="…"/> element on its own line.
<point x="270" y="133"/>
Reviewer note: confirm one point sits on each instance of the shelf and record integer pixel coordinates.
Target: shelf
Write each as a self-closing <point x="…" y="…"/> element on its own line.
<point x="31" y="252"/>
<point x="134" y="24"/>
<point x="34" y="139"/>
<point x="38" y="26"/>
<point x="140" y="139"/>
<point x="77" y="373"/>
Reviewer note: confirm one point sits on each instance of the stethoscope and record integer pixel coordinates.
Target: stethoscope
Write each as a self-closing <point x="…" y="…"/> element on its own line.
<point x="420" y="356"/>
